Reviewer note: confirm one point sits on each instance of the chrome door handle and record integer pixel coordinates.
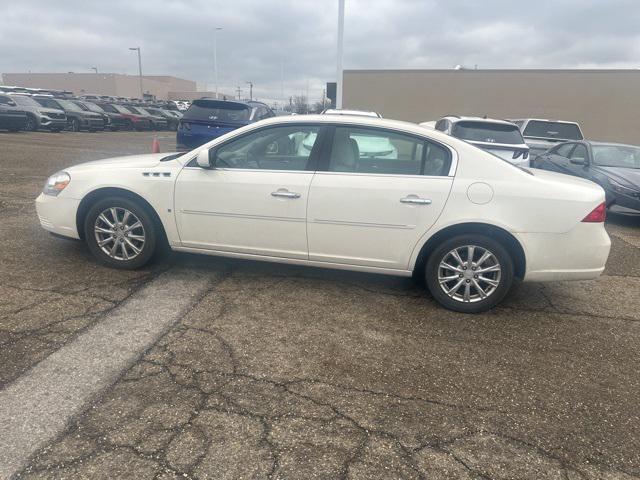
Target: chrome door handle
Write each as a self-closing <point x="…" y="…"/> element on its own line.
<point x="285" y="194"/>
<point x="415" y="200"/>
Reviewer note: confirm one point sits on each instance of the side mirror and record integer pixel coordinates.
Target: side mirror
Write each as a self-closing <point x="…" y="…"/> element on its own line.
<point x="579" y="161"/>
<point x="203" y="160"/>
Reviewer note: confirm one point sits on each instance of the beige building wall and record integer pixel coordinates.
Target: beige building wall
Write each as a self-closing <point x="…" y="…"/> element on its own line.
<point x="606" y="103"/>
<point x="101" y="83"/>
<point x="191" y="95"/>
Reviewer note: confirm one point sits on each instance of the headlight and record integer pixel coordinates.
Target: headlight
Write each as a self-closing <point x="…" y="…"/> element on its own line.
<point x="619" y="188"/>
<point x="56" y="183"/>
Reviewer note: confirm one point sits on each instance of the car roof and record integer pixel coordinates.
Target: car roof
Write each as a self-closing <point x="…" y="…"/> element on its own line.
<point x="542" y="120"/>
<point x="456" y="118"/>
<point x="361" y="113"/>
<point x="609" y="144"/>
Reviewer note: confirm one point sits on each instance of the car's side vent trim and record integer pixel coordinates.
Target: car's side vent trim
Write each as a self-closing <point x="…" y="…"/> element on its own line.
<point x="156" y="174"/>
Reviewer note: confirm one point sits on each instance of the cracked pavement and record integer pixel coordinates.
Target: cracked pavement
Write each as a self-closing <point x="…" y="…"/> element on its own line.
<point x="289" y="372"/>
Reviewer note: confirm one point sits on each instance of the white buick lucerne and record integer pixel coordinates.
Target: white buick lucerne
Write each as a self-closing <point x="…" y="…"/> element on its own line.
<point x="303" y="190"/>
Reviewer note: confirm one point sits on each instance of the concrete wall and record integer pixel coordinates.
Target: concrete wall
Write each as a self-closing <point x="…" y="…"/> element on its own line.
<point x="605" y="102"/>
<point x="101" y="83"/>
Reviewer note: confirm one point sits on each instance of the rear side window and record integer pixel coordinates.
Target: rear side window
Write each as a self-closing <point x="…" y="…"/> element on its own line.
<point x="488" y="132"/>
<point x="552" y="130"/>
<point x="364" y="150"/>
<point x="218" y="111"/>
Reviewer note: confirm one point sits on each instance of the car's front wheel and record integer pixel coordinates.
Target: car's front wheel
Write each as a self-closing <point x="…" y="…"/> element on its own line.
<point x="120" y="233"/>
<point x="469" y="273"/>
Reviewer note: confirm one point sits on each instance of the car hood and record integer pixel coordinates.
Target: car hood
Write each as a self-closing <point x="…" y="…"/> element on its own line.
<point x="47" y="110"/>
<point x="625" y="176"/>
<point x="130" y="161"/>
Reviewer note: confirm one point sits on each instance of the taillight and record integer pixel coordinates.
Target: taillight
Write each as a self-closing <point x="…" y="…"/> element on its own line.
<point x="597" y="215"/>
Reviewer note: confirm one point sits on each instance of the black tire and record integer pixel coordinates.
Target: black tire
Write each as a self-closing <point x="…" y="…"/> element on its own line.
<point x="31" y="125"/>
<point x="149" y="231"/>
<point x="496" y="293"/>
<point x="75" y="125"/>
<point x="55" y="130"/>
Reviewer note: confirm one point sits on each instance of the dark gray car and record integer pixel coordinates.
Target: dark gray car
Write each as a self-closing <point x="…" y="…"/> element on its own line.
<point x="39" y="117"/>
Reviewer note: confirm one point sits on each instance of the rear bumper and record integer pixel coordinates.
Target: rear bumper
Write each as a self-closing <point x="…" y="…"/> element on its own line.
<point x="580" y="254"/>
<point x="58" y="214"/>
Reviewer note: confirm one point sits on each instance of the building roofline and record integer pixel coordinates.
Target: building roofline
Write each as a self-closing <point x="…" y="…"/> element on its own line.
<point x="497" y="70"/>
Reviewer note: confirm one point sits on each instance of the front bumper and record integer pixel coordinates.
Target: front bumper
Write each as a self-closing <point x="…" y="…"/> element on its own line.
<point x="580" y="254"/>
<point x="58" y="214"/>
<point x="48" y="122"/>
<point x="626" y="202"/>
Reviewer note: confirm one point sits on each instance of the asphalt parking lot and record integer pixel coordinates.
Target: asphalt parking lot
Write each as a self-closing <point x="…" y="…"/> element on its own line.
<point x="273" y="371"/>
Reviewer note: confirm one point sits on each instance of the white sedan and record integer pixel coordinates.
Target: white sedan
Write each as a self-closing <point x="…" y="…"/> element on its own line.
<point x="466" y="221"/>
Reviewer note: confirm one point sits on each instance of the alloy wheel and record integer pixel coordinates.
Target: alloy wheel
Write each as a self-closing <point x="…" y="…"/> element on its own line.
<point x="469" y="273"/>
<point x="119" y="233"/>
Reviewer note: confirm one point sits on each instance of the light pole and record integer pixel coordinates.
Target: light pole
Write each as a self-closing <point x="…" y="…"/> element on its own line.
<point x="139" y="70"/>
<point x="95" y="69"/>
<point x="339" y="52"/>
<point x="250" y="90"/>
<point x="215" y="58"/>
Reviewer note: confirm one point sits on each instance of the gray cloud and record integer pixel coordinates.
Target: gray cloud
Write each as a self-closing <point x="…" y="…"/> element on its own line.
<point x="259" y="37"/>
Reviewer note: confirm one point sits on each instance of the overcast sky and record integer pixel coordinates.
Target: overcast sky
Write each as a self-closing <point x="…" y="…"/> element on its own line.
<point x="261" y="37"/>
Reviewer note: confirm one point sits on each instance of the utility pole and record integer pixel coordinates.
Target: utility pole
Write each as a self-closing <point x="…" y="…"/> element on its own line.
<point x="339" y="53"/>
<point x="215" y="58"/>
<point x="139" y="70"/>
<point x="239" y="90"/>
<point x="282" y="79"/>
<point x="250" y="90"/>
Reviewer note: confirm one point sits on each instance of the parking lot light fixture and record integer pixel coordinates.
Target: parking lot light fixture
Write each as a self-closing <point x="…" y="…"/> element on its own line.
<point x="139" y="69"/>
<point x="215" y="58"/>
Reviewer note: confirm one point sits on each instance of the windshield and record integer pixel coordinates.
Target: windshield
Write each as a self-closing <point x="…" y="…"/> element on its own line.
<point x="488" y="132"/>
<point x="220" y="111"/>
<point x="93" y="107"/>
<point x="553" y="130"/>
<point x="624" y="156"/>
<point x="48" y="102"/>
<point x="108" y="108"/>
<point x="122" y="109"/>
<point x="26" y="101"/>
<point x="70" y="105"/>
<point x="143" y="111"/>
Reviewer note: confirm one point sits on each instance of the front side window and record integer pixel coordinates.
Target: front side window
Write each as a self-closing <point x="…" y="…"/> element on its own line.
<point x="276" y="148"/>
<point x="564" y="150"/>
<point x="579" y="153"/>
<point x="364" y="150"/>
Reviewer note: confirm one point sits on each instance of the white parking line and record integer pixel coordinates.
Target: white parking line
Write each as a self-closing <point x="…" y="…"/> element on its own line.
<point x="37" y="406"/>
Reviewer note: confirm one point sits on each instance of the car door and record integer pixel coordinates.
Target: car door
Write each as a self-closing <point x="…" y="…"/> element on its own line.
<point x="376" y="192"/>
<point x="254" y="200"/>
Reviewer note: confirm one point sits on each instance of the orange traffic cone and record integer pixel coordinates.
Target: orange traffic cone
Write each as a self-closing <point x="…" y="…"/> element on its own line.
<point x="155" y="145"/>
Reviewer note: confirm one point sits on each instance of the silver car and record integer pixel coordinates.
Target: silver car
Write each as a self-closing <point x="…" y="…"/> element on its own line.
<point x="499" y="137"/>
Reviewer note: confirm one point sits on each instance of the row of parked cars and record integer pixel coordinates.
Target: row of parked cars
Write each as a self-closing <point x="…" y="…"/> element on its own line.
<point x="38" y="111"/>
<point x="556" y="146"/>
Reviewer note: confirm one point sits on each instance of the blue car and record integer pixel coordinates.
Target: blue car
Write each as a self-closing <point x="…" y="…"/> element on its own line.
<point x="209" y="118"/>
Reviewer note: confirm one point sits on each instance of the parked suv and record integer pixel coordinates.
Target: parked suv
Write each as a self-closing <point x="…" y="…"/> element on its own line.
<point x="499" y="137"/>
<point x="133" y="121"/>
<point x="208" y="118"/>
<point x="112" y="121"/>
<point x="77" y="119"/>
<point x="39" y="117"/>
<point x="172" y="120"/>
<point x="11" y="117"/>
<point x="542" y="134"/>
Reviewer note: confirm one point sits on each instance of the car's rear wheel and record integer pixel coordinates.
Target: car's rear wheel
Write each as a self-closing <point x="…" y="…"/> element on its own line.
<point x="469" y="273"/>
<point x="120" y="233"/>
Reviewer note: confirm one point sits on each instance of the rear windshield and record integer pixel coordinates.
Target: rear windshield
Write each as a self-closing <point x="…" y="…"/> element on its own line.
<point x="218" y="111"/>
<point x="488" y="132"/>
<point x="552" y="130"/>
